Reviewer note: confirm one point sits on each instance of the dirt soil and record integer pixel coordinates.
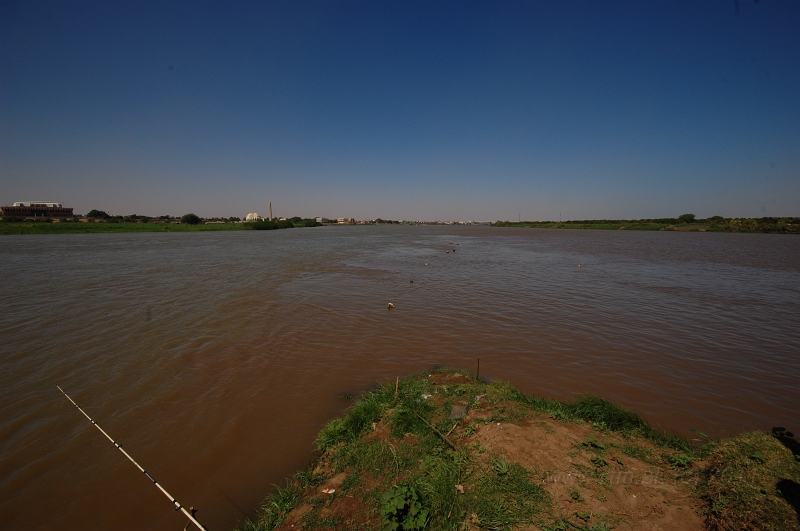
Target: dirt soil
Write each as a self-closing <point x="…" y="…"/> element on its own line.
<point x="636" y="495"/>
<point x="588" y="472"/>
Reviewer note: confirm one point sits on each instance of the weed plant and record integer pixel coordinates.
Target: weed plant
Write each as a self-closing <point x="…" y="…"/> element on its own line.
<point x="606" y="415"/>
<point x="409" y="476"/>
<point x="278" y="505"/>
<point x="402" y="509"/>
<point x="747" y="483"/>
<point x="364" y="412"/>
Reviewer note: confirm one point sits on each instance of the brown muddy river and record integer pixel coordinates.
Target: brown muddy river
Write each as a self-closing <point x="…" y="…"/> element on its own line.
<point x="215" y="358"/>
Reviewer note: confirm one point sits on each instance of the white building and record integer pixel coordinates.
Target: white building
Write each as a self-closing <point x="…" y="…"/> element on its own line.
<point x="48" y="204"/>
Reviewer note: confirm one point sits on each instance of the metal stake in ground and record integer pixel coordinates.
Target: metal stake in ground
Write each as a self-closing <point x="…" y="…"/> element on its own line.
<point x="178" y="506"/>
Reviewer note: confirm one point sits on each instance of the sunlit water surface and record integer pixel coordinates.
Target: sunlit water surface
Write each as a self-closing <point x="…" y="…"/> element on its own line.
<point x="215" y="358"/>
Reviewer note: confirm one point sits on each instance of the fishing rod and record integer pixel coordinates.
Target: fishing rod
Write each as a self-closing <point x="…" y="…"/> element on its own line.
<point x="178" y="506"/>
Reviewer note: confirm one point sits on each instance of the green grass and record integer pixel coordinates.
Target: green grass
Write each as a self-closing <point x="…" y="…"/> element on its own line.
<point x="404" y="469"/>
<point x="280" y="503"/>
<point x="368" y="409"/>
<point x="606" y="415"/>
<point x="82" y="228"/>
<point x="642" y="453"/>
<point x="270" y="225"/>
<point x="7" y="228"/>
<point x="747" y="482"/>
<point x="585" y="521"/>
<point x="505" y="498"/>
<point x="364" y="456"/>
<point x="314" y="520"/>
<point x="496" y="495"/>
<point x="499" y="494"/>
<point x="788" y="225"/>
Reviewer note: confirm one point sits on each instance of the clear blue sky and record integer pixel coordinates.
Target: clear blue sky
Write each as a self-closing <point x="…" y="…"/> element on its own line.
<point x="403" y="110"/>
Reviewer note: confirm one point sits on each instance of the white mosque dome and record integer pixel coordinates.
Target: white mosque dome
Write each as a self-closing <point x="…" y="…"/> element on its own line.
<point x="253" y="216"/>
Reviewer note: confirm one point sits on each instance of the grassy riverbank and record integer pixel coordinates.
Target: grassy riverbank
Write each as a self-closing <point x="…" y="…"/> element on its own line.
<point x="78" y="228"/>
<point x="442" y="451"/>
<point x="713" y="224"/>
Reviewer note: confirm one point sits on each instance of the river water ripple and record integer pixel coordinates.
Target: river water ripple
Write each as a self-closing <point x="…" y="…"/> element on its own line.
<point x="215" y="358"/>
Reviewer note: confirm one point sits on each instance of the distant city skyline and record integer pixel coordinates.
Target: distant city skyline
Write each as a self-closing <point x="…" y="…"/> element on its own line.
<point x="409" y="110"/>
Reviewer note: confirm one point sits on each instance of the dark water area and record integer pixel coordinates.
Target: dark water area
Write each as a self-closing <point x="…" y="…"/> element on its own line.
<point x="215" y="358"/>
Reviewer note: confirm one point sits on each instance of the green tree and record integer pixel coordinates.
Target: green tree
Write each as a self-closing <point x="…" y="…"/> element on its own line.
<point x="96" y="214"/>
<point x="686" y="218"/>
<point x="191" y="219"/>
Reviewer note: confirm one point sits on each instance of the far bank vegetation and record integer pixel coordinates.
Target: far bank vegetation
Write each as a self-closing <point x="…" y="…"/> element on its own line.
<point x="684" y="223"/>
<point x="100" y="221"/>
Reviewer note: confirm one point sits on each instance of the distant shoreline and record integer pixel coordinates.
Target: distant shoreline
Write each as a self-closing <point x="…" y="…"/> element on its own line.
<point x="39" y="227"/>
<point x="788" y="225"/>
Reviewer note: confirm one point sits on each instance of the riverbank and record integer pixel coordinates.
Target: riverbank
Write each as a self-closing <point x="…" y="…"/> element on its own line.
<point x="112" y="227"/>
<point x="444" y="451"/>
<point x="715" y="224"/>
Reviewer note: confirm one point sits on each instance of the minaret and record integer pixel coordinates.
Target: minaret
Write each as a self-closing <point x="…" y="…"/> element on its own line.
<point x="270" y="210"/>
